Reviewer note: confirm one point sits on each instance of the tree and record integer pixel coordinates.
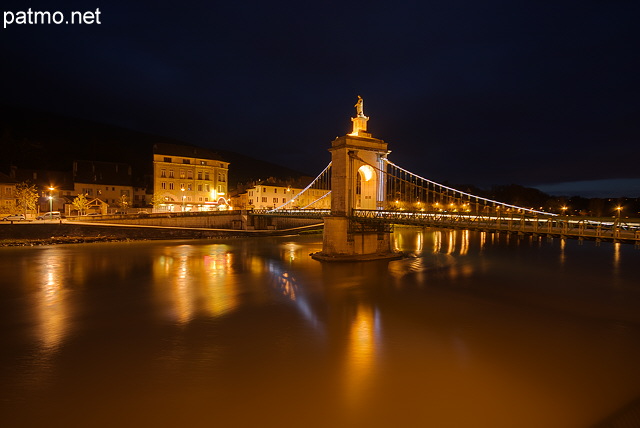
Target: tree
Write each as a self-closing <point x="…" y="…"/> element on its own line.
<point x="156" y="200"/>
<point x="80" y="203"/>
<point x="26" y="197"/>
<point x="123" y="202"/>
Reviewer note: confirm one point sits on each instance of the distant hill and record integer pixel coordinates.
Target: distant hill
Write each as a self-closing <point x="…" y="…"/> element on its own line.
<point x="41" y="140"/>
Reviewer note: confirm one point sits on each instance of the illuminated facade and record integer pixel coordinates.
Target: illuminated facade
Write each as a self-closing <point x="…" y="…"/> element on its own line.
<point x="109" y="182"/>
<point x="187" y="178"/>
<point x="270" y="196"/>
<point x="7" y="194"/>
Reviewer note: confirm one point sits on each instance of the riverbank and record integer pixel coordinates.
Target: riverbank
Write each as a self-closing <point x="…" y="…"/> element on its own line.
<point x="30" y="234"/>
<point x="54" y="240"/>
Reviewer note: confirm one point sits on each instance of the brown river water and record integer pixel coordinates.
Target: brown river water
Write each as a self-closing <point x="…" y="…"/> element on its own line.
<point x="470" y="330"/>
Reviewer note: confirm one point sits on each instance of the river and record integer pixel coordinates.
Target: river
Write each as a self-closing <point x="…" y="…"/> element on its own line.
<point x="470" y="330"/>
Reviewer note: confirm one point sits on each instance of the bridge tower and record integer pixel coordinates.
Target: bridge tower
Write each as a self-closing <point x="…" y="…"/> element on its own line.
<point x="357" y="182"/>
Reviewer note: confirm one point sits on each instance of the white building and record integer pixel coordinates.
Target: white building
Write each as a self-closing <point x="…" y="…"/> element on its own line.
<point x="269" y="196"/>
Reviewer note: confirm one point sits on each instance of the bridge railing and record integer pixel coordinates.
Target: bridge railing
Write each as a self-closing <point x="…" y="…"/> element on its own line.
<point x="520" y="223"/>
<point x="297" y="212"/>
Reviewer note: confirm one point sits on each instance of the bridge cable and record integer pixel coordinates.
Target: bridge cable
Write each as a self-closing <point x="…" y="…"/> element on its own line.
<point x="304" y="190"/>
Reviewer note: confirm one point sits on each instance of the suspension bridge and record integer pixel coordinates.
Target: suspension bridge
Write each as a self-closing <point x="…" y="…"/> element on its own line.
<point x="361" y="194"/>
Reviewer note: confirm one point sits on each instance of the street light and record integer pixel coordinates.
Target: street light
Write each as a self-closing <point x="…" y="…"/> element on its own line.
<point x="51" y="189"/>
<point x="619" y="209"/>
<point x="182" y="189"/>
<point x="564" y="209"/>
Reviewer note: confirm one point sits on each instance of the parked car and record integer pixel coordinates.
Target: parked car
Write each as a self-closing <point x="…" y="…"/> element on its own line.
<point x="93" y="214"/>
<point x="15" y="217"/>
<point x="51" y="215"/>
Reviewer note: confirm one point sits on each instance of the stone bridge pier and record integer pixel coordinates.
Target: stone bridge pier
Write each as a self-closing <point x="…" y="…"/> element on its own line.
<point x="357" y="182"/>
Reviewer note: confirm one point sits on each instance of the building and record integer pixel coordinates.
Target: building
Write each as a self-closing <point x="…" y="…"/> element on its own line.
<point x="54" y="187"/>
<point x="109" y="182"/>
<point x="188" y="178"/>
<point x="7" y="194"/>
<point x="239" y="199"/>
<point x="271" y="193"/>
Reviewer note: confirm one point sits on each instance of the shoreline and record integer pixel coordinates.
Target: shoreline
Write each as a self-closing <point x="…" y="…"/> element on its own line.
<point x="31" y="235"/>
<point x="55" y="240"/>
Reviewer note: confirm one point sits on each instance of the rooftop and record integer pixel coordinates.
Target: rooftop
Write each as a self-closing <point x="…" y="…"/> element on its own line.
<point x="185" y="151"/>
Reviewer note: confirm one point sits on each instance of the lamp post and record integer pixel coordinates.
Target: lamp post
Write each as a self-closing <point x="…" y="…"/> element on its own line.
<point x="619" y="209"/>
<point x="182" y="189"/>
<point x="51" y="189"/>
<point x="564" y="209"/>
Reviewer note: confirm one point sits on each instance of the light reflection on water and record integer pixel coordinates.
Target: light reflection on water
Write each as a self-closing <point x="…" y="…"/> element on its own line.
<point x="198" y="280"/>
<point x="471" y="329"/>
<point x="51" y="273"/>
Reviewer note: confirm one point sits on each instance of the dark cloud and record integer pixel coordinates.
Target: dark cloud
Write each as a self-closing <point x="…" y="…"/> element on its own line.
<point x="464" y="91"/>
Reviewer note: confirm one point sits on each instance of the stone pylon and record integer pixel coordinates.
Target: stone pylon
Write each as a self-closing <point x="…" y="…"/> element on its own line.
<point x="358" y="182"/>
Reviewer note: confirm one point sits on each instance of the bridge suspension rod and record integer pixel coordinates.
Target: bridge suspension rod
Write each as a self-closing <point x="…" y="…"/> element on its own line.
<point x="454" y="191"/>
<point x="324" y="178"/>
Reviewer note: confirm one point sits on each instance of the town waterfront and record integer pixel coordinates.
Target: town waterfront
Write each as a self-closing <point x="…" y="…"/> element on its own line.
<point x="470" y="329"/>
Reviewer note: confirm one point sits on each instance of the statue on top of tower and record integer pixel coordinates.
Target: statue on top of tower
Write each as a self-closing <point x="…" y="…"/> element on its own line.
<point x="360" y="121"/>
<point x="360" y="107"/>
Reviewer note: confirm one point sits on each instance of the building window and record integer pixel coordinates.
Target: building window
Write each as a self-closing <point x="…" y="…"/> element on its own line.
<point x="199" y="175"/>
<point x="200" y="199"/>
<point x="167" y="159"/>
<point x="189" y="186"/>
<point x="170" y="186"/>
<point x="206" y="188"/>
<point x="206" y="175"/>
<point x="264" y="199"/>
<point x="163" y="173"/>
<point x="220" y="188"/>
<point x="187" y="161"/>
<point x="250" y="201"/>
<point x="275" y="200"/>
<point x="275" y="190"/>
<point x="182" y="173"/>
<point x="163" y="185"/>
<point x="284" y="200"/>
<point x="170" y="173"/>
<point x="190" y="175"/>
<point x="206" y="199"/>
<point x="181" y="186"/>
<point x="199" y="187"/>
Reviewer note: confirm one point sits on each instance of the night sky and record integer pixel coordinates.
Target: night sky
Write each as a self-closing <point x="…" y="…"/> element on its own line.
<point x="464" y="91"/>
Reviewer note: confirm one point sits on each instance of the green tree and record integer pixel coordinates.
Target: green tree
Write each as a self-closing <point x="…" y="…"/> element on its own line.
<point x="80" y="203"/>
<point x="156" y="200"/>
<point x="123" y="203"/>
<point x="26" y="197"/>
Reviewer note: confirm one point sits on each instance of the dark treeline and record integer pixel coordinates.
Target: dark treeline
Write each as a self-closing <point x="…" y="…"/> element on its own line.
<point x="569" y="205"/>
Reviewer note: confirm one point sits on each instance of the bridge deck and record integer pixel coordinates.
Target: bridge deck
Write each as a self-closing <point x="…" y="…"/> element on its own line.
<point x="614" y="230"/>
<point x="567" y="227"/>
